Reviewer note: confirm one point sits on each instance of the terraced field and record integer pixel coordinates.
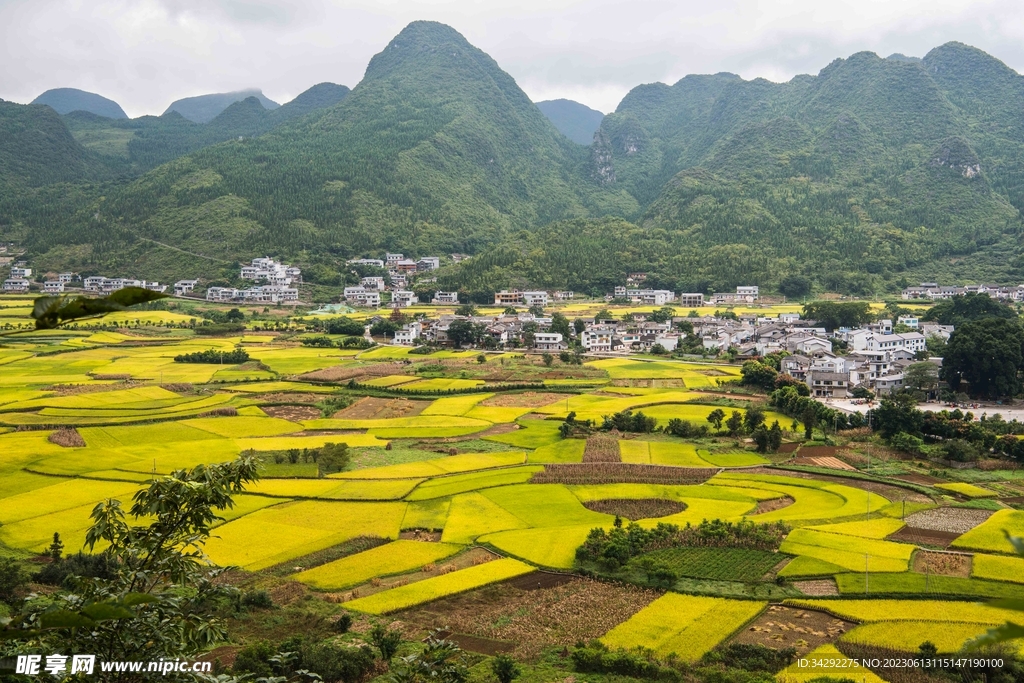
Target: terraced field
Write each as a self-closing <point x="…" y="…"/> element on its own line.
<point x="458" y="473"/>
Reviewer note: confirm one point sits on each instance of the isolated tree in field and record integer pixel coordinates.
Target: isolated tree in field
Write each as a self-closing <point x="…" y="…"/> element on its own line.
<point x="334" y="457"/>
<point x="385" y="640"/>
<point x="56" y="548"/>
<point x="467" y="310"/>
<point x="735" y="423"/>
<point x="774" y="437"/>
<point x="715" y="418"/>
<point x="810" y="420"/>
<point x="547" y="358"/>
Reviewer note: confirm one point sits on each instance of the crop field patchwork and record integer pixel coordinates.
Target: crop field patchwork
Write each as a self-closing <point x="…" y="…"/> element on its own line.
<point x="478" y="469"/>
<point x="393" y="558"/>
<point x="456" y="582"/>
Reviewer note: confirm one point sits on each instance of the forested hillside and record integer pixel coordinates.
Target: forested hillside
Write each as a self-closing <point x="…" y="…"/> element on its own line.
<point x="205" y="108"/>
<point x="873" y="173"/>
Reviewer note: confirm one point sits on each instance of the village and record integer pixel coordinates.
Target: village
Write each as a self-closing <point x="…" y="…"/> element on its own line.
<point x="841" y="363"/>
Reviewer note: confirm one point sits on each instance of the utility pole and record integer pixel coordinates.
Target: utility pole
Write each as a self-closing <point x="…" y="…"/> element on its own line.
<point x="865" y="573"/>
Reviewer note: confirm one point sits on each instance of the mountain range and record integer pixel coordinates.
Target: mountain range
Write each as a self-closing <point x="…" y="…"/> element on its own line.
<point x="872" y="173"/>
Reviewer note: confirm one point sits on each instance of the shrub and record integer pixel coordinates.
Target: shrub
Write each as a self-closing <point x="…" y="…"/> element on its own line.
<point x="12" y="577"/>
<point x="254" y="659"/>
<point x="257" y="599"/>
<point x="752" y="657"/>
<point x="98" y="566"/>
<point x="907" y="443"/>
<point x="386" y="641"/>
<point x="959" y="450"/>
<point x="628" y="421"/>
<point x="505" y="668"/>
<point x="211" y="356"/>
<point x="333" y="662"/>
<point x="333" y="457"/>
<point x="318" y="342"/>
<point x="343" y="623"/>
<point x="220" y="329"/>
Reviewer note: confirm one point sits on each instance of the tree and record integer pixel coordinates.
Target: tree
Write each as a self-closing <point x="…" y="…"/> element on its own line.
<point x="385" y="640"/>
<point x="603" y="314"/>
<point x="987" y="355"/>
<point x="234" y="316"/>
<point x="715" y="417"/>
<point x="735" y="423"/>
<point x="895" y="414"/>
<point x="464" y="332"/>
<point x="56" y="548"/>
<point x="505" y="668"/>
<point x="578" y="326"/>
<point x="774" y="437"/>
<point x="160" y="602"/>
<point x="560" y="324"/>
<point x="958" y="310"/>
<point x="658" y="350"/>
<point x="810" y="420"/>
<point x="510" y="310"/>
<point x="466" y="310"/>
<point x="831" y="314"/>
<point x="662" y="315"/>
<point x="922" y="376"/>
<point x="383" y="328"/>
<point x="754" y="418"/>
<point x="334" y="457"/>
<point x="537" y="310"/>
<point x="547" y="358"/>
<point x="759" y="375"/>
<point x="795" y="286"/>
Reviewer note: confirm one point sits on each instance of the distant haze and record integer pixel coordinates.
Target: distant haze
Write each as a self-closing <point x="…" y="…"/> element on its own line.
<point x="146" y="54"/>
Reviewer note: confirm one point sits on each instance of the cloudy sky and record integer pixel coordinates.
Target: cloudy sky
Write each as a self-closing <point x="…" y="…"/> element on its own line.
<point x="146" y="53"/>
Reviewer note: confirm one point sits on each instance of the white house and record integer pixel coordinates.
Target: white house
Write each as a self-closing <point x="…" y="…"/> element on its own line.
<point x="361" y="296"/>
<point x="21" y="272"/>
<point x="409" y="333"/>
<point x="65" y="277"/>
<point x="183" y="287"/>
<point x="428" y="263"/>
<point x="373" y="283"/>
<point x="445" y="298"/>
<point x="53" y="286"/>
<point x="402" y="298"/>
<point x="535" y="298"/>
<point x="16" y="284"/>
<point x="548" y="341"/>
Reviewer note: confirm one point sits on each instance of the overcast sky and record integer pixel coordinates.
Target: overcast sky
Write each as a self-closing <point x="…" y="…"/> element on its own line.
<point x="146" y="53"/>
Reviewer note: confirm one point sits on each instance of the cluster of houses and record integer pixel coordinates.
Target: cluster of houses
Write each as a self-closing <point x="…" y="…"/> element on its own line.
<point x="875" y="356"/>
<point x="933" y="291"/>
<point x="279" y="278"/>
<point x="400" y="272"/>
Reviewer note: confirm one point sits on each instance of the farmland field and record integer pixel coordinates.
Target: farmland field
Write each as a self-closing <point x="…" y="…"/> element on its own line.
<point x="436" y="485"/>
<point x="678" y="624"/>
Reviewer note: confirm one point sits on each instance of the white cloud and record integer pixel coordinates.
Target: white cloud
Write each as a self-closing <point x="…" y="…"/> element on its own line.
<point x="146" y="53"/>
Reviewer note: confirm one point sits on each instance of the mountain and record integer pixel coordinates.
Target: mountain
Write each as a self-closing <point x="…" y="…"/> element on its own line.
<point x="873" y="172"/>
<point x="319" y="96"/>
<point x="576" y="121"/>
<point x="436" y="149"/>
<point x="868" y="175"/>
<point x="137" y="145"/>
<point x="67" y="100"/>
<point x="204" y="108"/>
